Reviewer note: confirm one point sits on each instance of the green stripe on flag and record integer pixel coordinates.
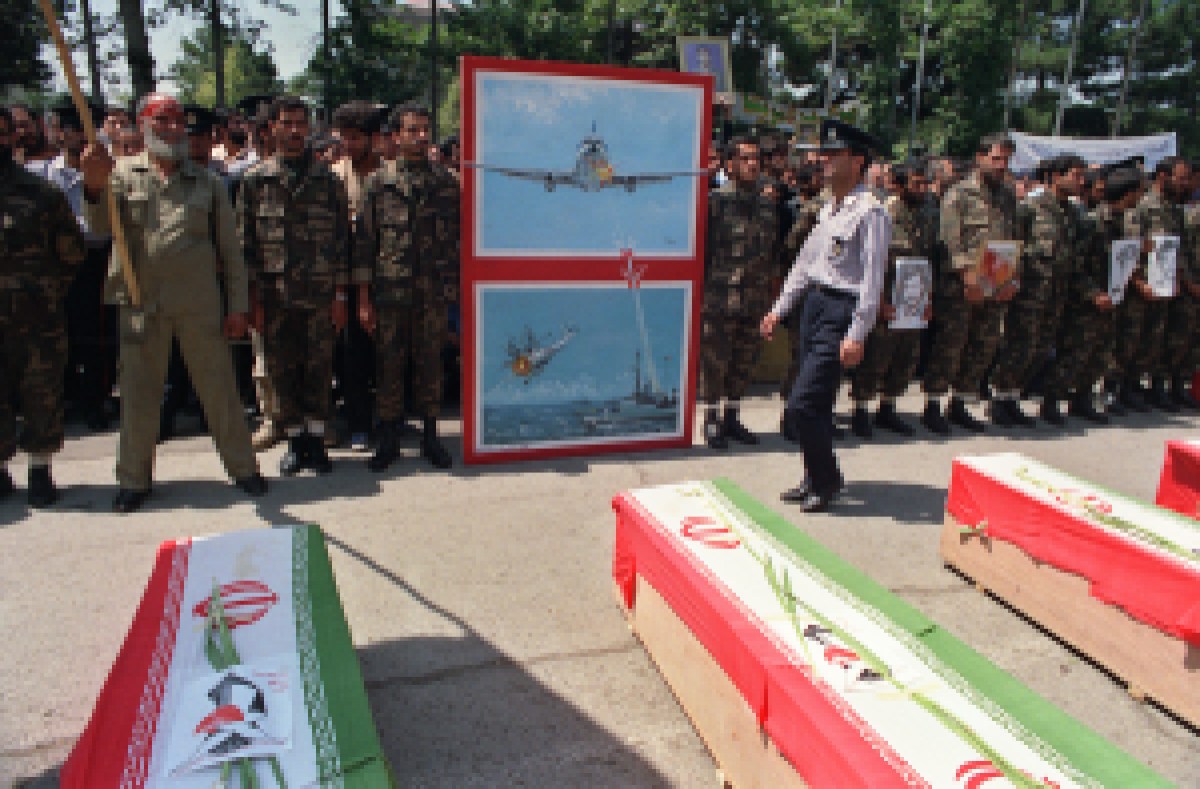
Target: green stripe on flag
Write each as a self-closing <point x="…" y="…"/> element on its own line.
<point x="360" y="755"/>
<point x="1087" y="751"/>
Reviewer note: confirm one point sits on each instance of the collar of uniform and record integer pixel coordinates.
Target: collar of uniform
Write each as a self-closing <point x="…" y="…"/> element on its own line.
<point x="852" y="199"/>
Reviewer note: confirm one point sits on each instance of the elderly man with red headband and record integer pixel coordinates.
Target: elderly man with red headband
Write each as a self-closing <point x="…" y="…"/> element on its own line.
<point x="178" y="223"/>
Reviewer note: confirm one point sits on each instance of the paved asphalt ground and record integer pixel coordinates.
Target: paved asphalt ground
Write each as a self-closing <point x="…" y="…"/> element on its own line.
<point x="481" y="601"/>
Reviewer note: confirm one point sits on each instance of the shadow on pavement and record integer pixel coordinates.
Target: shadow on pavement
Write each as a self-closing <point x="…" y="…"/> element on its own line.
<point x="904" y="502"/>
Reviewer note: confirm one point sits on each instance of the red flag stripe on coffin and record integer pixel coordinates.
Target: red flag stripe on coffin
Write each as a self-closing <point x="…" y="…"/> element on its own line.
<point x="797" y="711"/>
<point x="1179" y="485"/>
<point x="245" y="602"/>
<point x="115" y="748"/>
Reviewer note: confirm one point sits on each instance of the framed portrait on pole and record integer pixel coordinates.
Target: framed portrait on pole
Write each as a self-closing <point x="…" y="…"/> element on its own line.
<point x="583" y="192"/>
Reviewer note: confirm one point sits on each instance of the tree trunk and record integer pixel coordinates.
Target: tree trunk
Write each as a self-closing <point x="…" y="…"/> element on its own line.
<point x="89" y="40"/>
<point x="137" y="47"/>
<point x="218" y="49"/>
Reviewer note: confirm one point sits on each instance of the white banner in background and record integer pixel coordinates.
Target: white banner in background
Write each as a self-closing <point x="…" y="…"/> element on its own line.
<point x="1031" y="149"/>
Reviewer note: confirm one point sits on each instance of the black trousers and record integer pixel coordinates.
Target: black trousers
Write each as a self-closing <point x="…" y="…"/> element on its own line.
<point x="823" y="324"/>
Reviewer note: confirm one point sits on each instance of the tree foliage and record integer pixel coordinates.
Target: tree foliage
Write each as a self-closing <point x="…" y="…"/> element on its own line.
<point x="24" y="31"/>
<point x="248" y="70"/>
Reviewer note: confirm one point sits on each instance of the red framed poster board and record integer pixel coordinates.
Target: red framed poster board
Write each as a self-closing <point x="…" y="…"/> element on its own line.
<point x="583" y="201"/>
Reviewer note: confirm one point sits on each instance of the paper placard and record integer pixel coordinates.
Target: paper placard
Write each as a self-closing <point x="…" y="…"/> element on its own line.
<point x="1160" y="266"/>
<point x="998" y="267"/>
<point x="911" y="293"/>
<point x="1122" y="260"/>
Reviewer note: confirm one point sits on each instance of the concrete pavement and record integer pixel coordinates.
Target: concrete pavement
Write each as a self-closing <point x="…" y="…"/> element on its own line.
<point x="481" y="601"/>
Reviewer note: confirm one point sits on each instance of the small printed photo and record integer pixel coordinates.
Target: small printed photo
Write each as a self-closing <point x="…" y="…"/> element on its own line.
<point x="911" y="293"/>
<point x="578" y="364"/>
<point x="999" y="266"/>
<point x="1161" y="266"/>
<point x="700" y="55"/>
<point x="1123" y="259"/>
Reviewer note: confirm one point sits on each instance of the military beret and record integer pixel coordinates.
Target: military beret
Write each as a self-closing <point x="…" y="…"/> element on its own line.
<point x="199" y="120"/>
<point x="68" y="116"/>
<point x="837" y="136"/>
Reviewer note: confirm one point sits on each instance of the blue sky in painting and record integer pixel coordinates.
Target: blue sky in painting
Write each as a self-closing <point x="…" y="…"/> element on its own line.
<point x="538" y="122"/>
<point x="598" y="362"/>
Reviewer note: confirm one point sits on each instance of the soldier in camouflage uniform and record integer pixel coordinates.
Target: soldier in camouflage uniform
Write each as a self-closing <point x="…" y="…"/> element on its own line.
<point x="742" y="256"/>
<point x="1089" y="323"/>
<point x="178" y="224"/>
<point x="40" y="247"/>
<point x="293" y="220"/>
<point x="1183" y="313"/>
<point x="978" y="209"/>
<point x="408" y="251"/>
<point x="1157" y="213"/>
<point x="890" y="358"/>
<point x="1049" y="227"/>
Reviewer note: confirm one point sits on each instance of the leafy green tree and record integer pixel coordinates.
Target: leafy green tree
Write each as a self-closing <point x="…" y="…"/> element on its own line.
<point x="248" y="71"/>
<point x="24" y="31"/>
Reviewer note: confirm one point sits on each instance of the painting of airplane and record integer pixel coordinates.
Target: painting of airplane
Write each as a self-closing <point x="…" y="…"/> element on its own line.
<point x="528" y="358"/>
<point x="593" y="170"/>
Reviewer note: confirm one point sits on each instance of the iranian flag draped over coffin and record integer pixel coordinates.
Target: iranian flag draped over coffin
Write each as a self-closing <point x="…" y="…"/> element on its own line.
<point x="238" y="669"/>
<point x="852" y="685"/>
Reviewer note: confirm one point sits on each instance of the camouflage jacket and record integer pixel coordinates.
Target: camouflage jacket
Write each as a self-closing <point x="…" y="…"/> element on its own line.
<point x="40" y="246"/>
<point x="972" y="214"/>
<point x="742" y="254"/>
<point x="914" y="234"/>
<point x="805" y="213"/>
<point x="1152" y="216"/>
<point x="406" y="244"/>
<point x="1050" y="231"/>
<point x="1191" y="226"/>
<point x="294" y="226"/>
<point x="176" y="230"/>
<point x="1091" y="276"/>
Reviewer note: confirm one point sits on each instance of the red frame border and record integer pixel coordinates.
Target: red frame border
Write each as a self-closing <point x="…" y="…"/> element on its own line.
<point x="551" y="270"/>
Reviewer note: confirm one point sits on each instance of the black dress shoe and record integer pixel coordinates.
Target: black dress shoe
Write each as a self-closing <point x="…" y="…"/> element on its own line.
<point x="129" y="500"/>
<point x="1181" y="396"/>
<point x="815" y="502"/>
<point x="432" y="448"/>
<point x="797" y="494"/>
<point x="737" y="431"/>
<point x="6" y="484"/>
<point x="386" y="451"/>
<point x="41" y="492"/>
<point x="860" y="423"/>
<point x="293" y="460"/>
<point x="934" y="421"/>
<point x="1160" y="396"/>
<point x="887" y="418"/>
<point x="714" y="435"/>
<point x="1001" y="413"/>
<point x="1082" y="407"/>
<point x="253" y="485"/>
<point x="315" y="457"/>
<point x="1019" y="417"/>
<point x="1050" y="412"/>
<point x="958" y="414"/>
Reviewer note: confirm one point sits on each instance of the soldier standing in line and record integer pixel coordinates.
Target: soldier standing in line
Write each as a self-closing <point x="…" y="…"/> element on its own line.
<point x="1089" y="322"/>
<point x="355" y="124"/>
<point x="891" y="354"/>
<point x="1159" y="212"/>
<point x="293" y="220"/>
<point x="407" y="249"/>
<point x="40" y="247"/>
<point x="742" y="255"/>
<point x="1183" y="312"/>
<point x="1049" y="229"/>
<point x="176" y="217"/>
<point x="977" y="209"/>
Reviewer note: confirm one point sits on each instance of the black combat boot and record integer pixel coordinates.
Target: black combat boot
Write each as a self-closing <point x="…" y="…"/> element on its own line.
<point x="1112" y="391"/>
<point x="860" y="422"/>
<point x="958" y="414"/>
<point x="293" y="460"/>
<point x="714" y="431"/>
<point x="1181" y="396"/>
<point x="41" y="492"/>
<point x="1019" y="417"/>
<point x="933" y="419"/>
<point x="887" y="418"/>
<point x="1083" y="408"/>
<point x="386" y="450"/>
<point x="1001" y="412"/>
<point x="735" y="429"/>
<point x="1131" y="396"/>
<point x="315" y="457"/>
<point x="6" y="484"/>
<point x="1050" y="412"/>
<point x="432" y="448"/>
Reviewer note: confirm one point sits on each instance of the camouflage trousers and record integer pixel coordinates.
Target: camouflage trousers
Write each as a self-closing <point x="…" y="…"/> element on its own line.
<point x="967" y="338"/>
<point x="1179" y="356"/>
<point x="1152" y="353"/>
<point x="729" y="346"/>
<point x="407" y="334"/>
<point x="1084" y="350"/>
<point x="1025" y="335"/>
<point x="888" y="363"/>
<point x="32" y="363"/>
<point x="1131" y="322"/>
<point x="299" y="353"/>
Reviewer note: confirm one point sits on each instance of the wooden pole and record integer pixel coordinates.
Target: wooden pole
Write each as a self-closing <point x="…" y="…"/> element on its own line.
<point x="89" y="130"/>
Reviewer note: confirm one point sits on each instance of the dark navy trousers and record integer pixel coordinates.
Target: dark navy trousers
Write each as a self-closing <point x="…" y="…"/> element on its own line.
<point x="823" y="323"/>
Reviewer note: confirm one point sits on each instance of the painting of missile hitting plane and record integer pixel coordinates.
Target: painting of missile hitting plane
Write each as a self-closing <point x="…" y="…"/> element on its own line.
<point x="586" y="363"/>
<point x="566" y="167"/>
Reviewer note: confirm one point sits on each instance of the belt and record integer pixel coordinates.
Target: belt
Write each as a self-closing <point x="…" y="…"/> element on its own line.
<point x="836" y="293"/>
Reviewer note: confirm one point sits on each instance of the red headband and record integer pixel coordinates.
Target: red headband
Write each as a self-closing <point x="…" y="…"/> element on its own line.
<point x="160" y="105"/>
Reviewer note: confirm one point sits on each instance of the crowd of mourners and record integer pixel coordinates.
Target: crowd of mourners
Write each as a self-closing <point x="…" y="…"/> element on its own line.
<point x="306" y="275"/>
